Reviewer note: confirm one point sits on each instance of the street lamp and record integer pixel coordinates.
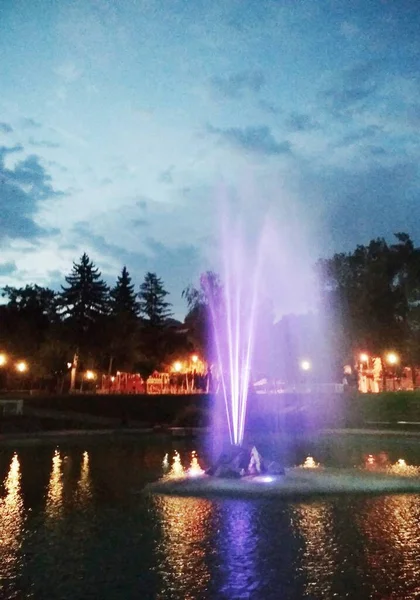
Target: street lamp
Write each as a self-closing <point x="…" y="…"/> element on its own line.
<point x="3" y="360"/>
<point x="177" y="366"/>
<point x="194" y="358"/>
<point x="392" y="358"/>
<point x="90" y="375"/>
<point x="364" y="357"/>
<point x="305" y="365"/>
<point x="21" y="366"/>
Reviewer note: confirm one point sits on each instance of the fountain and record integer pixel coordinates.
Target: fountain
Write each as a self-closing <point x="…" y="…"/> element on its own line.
<point x="235" y="307"/>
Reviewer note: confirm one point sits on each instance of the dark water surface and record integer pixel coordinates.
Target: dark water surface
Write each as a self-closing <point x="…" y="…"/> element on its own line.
<point x="73" y="525"/>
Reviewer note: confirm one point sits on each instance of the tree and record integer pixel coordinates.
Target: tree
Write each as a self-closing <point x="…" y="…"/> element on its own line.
<point x="26" y="318"/>
<point x="123" y="323"/>
<point x="154" y="309"/>
<point x="123" y="297"/>
<point x="155" y="333"/>
<point x="85" y="299"/>
<point x="84" y="303"/>
<point x="367" y="289"/>
<point x="203" y="303"/>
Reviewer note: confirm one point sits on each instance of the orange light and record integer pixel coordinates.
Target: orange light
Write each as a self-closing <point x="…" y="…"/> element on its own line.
<point x="364" y="357"/>
<point x="3" y="360"/>
<point x="392" y="358"/>
<point x="194" y="358"/>
<point x="90" y="375"/>
<point x="21" y="366"/>
<point x="177" y="366"/>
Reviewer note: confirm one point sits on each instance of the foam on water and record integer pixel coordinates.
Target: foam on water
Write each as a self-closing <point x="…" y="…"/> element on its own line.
<point x="297" y="483"/>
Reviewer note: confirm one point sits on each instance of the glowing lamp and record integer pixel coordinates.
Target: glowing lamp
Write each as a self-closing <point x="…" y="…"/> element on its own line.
<point x="364" y="357"/>
<point x="392" y="358"/>
<point x="21" y="366"/>
<point x="305" y="365"/>
<point x="177" y="366"/>
<point x="3" y="360"/>
<point x="194" y="358"/>
<point x="90" y="375"/>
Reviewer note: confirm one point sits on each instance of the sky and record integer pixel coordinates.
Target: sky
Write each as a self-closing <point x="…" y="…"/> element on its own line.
<point x="123" y="123"/>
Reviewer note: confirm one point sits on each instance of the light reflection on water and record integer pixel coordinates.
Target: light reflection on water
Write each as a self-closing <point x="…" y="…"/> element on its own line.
<point x="12" y="519"/>
<point x="84" y="483"/>
<point x="73" y="525"/>
<point x="185" y="528"/>
<point x="314" y="523"/>
<point x="54" y="503"/>
<point x="238" y="543"/>
<point x="391" y="525"/>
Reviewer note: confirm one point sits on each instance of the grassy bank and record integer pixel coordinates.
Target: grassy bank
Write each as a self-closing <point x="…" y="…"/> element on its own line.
<point x="387" y="407"/>
<point x="267" y="413"/>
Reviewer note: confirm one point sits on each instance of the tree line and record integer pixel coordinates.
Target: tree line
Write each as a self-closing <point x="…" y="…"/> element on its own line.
<point x="106" y="328"/>
<point x="370" y="302"/>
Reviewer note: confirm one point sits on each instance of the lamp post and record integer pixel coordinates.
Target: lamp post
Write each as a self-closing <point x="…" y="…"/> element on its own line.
<point x="3" y="373"/>
<point x="305" y="365"/>
<point x="177" y="366"/>
<point x="393" y="359"/>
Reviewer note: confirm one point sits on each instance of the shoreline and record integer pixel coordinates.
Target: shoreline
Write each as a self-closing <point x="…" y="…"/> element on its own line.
<point x="174" y="433"/>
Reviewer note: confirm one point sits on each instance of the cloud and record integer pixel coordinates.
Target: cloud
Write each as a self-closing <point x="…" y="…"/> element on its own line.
<point x="365" y="133"/>
<point x="237" y="85"/>
<point x="68" y="72"/>
<point x="258" y="139"/>
<point x="5" y="128"/>
<point x="349" y="30"/>
<point x="29" y="123"/>
<point x="301" y="122"/>
<point x="355" y="207"/>
<point x="42" y="143"/>
<point x="178" y="266"/>
<point x="353" y="88"/>
<point x="139" y="223"/>
<point x="166" y="176"/>
<point x="269" y="108"/>
<point x="22" y="189"/>
<point x="7" y="268"/>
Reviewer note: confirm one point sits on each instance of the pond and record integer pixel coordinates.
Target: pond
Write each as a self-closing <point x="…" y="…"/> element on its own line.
<point x="75" y="525"/>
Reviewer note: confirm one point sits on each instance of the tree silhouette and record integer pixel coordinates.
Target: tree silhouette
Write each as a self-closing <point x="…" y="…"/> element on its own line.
<point x="85" y="298"/>
<point x="154" y="309"/>
<point x="123" y="296"/>
<point x="123" y="324"/>
<point x="84" y="304"/>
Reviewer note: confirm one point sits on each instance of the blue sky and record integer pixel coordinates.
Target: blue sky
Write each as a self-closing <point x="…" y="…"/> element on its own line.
<point x="120" y="122"/>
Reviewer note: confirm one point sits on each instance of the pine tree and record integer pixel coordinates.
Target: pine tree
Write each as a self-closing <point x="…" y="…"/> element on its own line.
<point x="85" y="299"/>
<point x="153" y="306"/>
<point x="123" y="297"/>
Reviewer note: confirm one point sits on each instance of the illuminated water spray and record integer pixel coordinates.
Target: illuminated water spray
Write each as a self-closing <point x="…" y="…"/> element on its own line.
<point x="234" y="309"/>
<point x="195" y="470"/>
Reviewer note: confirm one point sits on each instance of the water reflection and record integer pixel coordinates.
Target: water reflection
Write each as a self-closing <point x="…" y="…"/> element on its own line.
<point x="238" y="545"/>
<point x="54" y="505"/>
<point x="11" y="523"/>
<point x="185" y="528"/>
<point x="314" y="523"/>
<point x="84" y="484"/>
<point x="391" y="527"/>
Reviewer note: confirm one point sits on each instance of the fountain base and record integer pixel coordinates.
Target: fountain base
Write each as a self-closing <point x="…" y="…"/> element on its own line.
<point x="296" y="484"/>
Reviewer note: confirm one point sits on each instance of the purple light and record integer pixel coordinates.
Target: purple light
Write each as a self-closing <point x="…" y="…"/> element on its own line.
<point x="266" y="479"/>
<point x="234" y="317"/>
